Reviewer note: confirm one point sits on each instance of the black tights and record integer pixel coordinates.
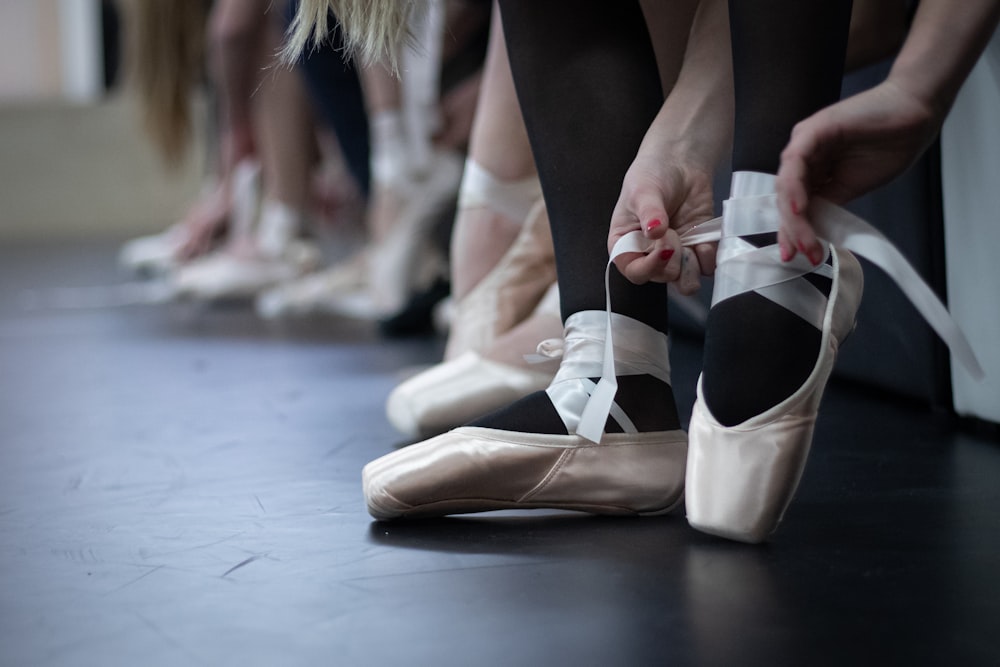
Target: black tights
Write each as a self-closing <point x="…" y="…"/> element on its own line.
<point x="788" y="62"/>
<point x="588" y="87"/>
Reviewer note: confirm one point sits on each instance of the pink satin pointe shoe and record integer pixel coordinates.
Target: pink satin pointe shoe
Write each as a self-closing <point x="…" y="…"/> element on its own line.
<point x="512" y="289"/>
<point x="459" y="390"/>
<point x="267" y="256"/>
<point x="312" y="293"/>
<point x="215" y="208"/>
<point x="405" y="259"/>
<point x="469" y="384"/>
<point x="741" y="479"/>
<point x="475" y="469"/>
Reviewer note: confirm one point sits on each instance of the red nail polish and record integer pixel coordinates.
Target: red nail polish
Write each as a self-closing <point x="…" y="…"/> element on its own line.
<point x="786" y="254"/>
<point x="653" y="224"/>
<point x="795" y="207"/>
<point x="665" y="255"/>
<point x="816" y="257"/>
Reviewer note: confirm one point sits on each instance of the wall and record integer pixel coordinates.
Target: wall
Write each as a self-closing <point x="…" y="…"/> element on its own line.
<point x="84" y="170"/>
<point x="72" y="162"/>
<point x="970" y="155"/>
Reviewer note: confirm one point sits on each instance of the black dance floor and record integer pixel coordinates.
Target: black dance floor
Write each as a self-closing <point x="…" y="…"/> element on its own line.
<point x="179" y="485"/>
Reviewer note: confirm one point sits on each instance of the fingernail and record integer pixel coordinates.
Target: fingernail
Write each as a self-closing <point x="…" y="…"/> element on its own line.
<point x="816" y="256"/>
<point x="795" y="207"/>
<point x="786" y="253"/>
<point x="653" y="224"/>
<point x="665" y="255"/>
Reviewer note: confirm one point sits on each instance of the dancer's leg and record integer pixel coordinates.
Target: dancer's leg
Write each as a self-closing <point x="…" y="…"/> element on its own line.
<point x="588" y="87"/>
<point x="389" y="147"/>
<point x="235" y="58"/>
<point x="757" y="353"/>
<point x="770" y="350"/>
<point x="498" y="144"/>
<point x="236" y="29"/>
<point x="284" y="125"/>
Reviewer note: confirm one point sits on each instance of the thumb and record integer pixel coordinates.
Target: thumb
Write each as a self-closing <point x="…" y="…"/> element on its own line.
<point x="649" y="207"/>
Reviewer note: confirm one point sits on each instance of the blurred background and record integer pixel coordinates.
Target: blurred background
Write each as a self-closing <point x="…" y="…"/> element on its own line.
<point x="73" y="159"/>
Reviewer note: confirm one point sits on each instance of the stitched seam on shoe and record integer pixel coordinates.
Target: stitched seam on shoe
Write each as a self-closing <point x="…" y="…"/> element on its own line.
<point x="556" y="467"/>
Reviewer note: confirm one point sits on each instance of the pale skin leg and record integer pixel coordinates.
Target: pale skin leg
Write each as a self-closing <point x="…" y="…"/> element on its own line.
<point x="235" y="55"/>
<point x="284" y="130"/>
<point x="382" y="96"/>
<point x="236" y="33"/>
<point x="499" y="143"/>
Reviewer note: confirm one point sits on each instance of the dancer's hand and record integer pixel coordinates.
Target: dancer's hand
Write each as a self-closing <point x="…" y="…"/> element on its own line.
<point x="845" y="151"/>
<point x="854" y="146"/>
<point x="670" y="180"/>
<point x="664" y="199"/>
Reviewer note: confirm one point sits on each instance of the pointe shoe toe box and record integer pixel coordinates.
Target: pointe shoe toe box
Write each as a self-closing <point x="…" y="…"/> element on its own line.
<point x="456" y="392"/>
<point x="742" y="478"/>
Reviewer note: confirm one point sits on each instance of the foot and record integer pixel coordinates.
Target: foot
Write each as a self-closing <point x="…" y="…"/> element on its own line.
<point x="773" y="334"/>
<point x="530" y="455"/>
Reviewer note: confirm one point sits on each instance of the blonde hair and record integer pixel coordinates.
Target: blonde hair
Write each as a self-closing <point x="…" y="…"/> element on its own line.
<point x="165" y="48"/>
<point x="374" y="30"/>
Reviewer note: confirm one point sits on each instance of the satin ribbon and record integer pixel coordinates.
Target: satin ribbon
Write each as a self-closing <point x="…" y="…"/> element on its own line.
<point x="834" y="225"/>
<point x="513" y="199"/>
<point x="642" y="350"/>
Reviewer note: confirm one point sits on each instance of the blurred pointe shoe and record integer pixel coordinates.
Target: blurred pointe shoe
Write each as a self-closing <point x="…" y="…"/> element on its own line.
<point x="217" y="207"/>
<point x="459" y="390"/>
<point x="314" y="293"/>
<point x="512" y="289"/>
<point x="405" y="260"/>
<point x="476" y="469"/>
<point x="154" y="254"/>
<point x="246" y="267"/>
<point x="160" y="253"/>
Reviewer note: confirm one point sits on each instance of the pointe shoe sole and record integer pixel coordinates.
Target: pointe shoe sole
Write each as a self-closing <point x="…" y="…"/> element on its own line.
<point x="472" y="469"/>
<point x="741" y="479"/>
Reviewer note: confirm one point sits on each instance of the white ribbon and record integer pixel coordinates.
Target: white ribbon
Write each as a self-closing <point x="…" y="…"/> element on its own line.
<point x="834" y="225"/>
<point x="642" y="350"/>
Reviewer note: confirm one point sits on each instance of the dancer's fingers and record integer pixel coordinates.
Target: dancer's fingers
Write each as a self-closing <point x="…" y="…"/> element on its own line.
<point x="706" y="253"/>
<point x="689" y="281"/>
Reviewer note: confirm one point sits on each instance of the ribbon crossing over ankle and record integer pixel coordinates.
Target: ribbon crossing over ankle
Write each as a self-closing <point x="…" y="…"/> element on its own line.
<point x="833" y="224"/>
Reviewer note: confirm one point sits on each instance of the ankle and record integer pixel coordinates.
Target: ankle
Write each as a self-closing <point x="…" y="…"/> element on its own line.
<point x="649" y="403"/>
<point x="587" y="407"/>
<point x="480" y="239"/>
<point x="763" y="331"/>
